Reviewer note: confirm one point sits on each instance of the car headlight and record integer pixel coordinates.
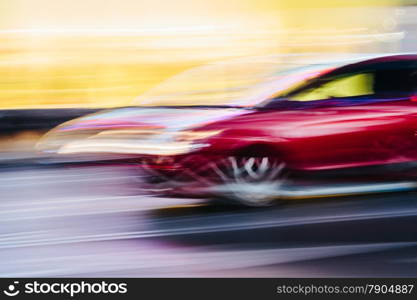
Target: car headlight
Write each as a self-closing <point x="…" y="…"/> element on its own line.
<point x="190" y="136"/>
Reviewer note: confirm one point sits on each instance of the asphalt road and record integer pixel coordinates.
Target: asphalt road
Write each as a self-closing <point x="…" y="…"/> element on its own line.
<point x="95" y="222"/>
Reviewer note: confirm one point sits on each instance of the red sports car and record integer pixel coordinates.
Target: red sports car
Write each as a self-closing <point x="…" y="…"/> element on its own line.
<point x="325" y="129"/>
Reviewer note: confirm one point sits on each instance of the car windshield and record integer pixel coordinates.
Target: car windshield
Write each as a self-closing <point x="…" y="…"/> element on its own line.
<point x="242" y="82"/>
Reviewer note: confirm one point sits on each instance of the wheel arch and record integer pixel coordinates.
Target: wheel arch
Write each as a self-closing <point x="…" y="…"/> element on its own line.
<point x="261" y="149"/>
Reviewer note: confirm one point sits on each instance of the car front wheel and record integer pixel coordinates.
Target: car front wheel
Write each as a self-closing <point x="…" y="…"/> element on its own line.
<point x="251" y="181"/>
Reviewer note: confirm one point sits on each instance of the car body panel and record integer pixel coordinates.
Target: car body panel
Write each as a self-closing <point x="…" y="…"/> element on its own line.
<point x="328" y="137"/>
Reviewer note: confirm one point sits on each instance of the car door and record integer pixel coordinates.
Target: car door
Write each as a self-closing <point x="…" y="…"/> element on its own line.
<point x="356" y="118"/>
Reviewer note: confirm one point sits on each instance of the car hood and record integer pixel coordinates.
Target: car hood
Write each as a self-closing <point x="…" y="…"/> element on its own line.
<point x="153" y="124"/>
<point x="166" y="118"/>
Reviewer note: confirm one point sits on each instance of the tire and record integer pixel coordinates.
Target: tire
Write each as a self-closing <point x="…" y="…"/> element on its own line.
<point x="250" y="181"/>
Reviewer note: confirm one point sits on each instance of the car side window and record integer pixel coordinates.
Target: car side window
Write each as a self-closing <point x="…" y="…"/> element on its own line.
<point x="343" y="86"/>
<point x="393" y="82"/>
<point x="413" y="82"/>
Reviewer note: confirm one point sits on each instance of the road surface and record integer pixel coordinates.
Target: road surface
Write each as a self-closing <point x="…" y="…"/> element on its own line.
<point x="95" y="222"/>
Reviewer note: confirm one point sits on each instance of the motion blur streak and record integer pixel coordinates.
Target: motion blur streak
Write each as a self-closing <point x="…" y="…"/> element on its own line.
<point x="116" y="233"/>
<point x="104" y="55"/>
<point x="111" y="110"/>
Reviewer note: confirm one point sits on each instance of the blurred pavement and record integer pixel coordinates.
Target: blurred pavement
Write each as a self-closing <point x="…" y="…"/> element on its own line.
<point x="90" y="221"/>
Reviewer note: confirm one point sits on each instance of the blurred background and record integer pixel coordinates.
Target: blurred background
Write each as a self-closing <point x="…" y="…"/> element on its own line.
<point x="105" y="53"/>
<point x="63" y="59"/>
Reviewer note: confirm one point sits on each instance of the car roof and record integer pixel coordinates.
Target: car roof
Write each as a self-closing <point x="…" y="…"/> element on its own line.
<point x="375" y="60"/>
<point x="198" y="85"/>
